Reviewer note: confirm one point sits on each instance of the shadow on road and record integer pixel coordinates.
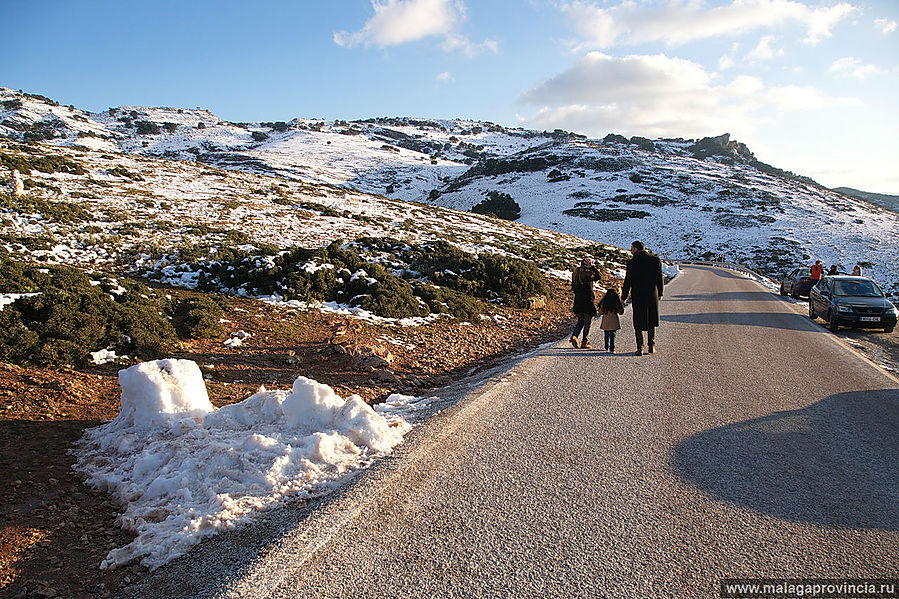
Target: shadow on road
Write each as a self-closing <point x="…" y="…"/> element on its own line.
<point x="772" y="320"/>
<point x="834" y="463"/>
<point x="742" y="296"/>
<point x="592" y="353"/>
<point x="721" y="272"/>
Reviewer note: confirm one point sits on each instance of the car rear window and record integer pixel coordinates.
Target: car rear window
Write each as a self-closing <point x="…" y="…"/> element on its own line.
<point x="804" y="272"/>
<point x="857" y="288"/>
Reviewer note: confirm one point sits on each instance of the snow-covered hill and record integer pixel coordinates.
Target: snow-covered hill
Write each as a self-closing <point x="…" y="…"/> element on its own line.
<point x="683" y="199"/>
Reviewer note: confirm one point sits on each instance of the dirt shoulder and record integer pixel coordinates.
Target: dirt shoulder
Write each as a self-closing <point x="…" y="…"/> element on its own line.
<point x="55" y="531"/>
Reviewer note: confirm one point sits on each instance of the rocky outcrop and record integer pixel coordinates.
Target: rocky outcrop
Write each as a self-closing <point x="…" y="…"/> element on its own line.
<point x="16" y="184"/>
<point x="720" y="146"/>
<point x="614" y="138"/>
<point x="643" y="143"/>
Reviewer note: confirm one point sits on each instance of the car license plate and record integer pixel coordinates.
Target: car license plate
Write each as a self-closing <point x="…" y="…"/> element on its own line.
<point x="869" y="318"/>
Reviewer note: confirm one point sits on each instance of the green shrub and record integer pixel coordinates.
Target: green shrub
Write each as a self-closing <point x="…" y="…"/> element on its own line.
<point x="259" y="136"/>
<point x="485" y="276"/>
<point x="70" y="317"/>
<point x="170" y="127"/>
<point x="41" y="131"/>
<point x="445" y="300"/>
<point x="426" y="278"/>
<point x="393" y="298"/>
<point x="60" y="212"/>
<point x="500" y="205"/>
<point x="121" y="171"/>
<point x="25" y="162"/>
<point x="198" y="317"/>
<point x="147" y="128"/>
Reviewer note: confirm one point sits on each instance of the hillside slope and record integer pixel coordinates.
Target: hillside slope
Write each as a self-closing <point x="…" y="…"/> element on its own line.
<point x="890" y="202"/>
<point x="684" y="199"/>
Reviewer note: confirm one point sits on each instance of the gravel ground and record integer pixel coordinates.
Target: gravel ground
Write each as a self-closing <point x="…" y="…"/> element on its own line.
<point x="751" y="444"/>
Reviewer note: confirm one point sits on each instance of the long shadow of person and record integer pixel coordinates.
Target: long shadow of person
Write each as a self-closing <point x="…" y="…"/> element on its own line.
<point x="834" y="463"/>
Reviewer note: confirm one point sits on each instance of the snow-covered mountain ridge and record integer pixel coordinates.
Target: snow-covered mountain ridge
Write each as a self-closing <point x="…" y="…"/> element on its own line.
<point x="685" y="199"/>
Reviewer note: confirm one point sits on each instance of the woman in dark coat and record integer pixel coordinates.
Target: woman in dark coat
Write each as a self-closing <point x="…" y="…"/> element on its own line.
<point x="643" y="281"/>
<point x="582" y="285"/>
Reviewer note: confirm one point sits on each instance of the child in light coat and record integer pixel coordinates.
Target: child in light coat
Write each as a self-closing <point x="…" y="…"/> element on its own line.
<point x="610" y="307"/>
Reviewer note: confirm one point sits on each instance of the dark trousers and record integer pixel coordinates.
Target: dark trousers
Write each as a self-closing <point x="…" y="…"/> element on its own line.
<point x="583" y="322"/>
<point x="610" y="340"/>
<point x="650" y="337"/>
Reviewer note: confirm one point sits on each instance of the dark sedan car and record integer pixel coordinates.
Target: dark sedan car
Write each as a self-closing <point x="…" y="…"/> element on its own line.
<point x="797" y="283"/>
<point x="853" y="302"/>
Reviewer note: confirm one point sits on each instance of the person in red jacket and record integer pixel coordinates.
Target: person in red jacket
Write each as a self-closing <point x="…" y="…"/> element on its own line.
<point x="817" y="272"/>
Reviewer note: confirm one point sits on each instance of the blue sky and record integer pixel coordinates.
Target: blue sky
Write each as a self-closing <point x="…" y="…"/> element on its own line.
<point x="808" y="85"/>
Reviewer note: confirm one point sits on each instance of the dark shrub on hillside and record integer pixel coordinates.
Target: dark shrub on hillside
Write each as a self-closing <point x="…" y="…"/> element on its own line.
<point x="41" y="131"/>
<point x="121" y="171"/>
<point x="198" y="317"/>
<point x="60" y="212"/>
<point x="485" y="276"/>
<point x="13" y="104"/>
<point x="147" y="128"/>
<point x="615" y="138"/>
<point x="70" y="317"/>
<point x="500" y="205"/>
<point x="643" y="143"/>
<point x="392" y="298"/>
<point x="259" y="136"/>
<point x="201" y="125"/>
<point x="445" y="300"/>
<point x="25" y="162"/>
<point x="426" y="278"/>
<point x="170" y="127"/>
<point x="606" y="214"/>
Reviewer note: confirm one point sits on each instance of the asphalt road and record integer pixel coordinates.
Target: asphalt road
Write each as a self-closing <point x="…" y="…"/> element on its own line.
<point x="751" y="444"/>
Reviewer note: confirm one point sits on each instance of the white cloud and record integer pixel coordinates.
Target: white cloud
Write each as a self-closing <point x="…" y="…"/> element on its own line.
<point x="854" y="67"/>
<point x="728" y="61"/>
<point x="445" y="77"/>
<point x="458" y="42"/>
<point x="398" y="22"/>
<point x="886" y="26"/>
<point x="681" y="21"/>
<point x="764" y="50"/>
<point x="662" y="96"/>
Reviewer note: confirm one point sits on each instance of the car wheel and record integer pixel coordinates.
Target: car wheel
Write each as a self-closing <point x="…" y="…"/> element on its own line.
<point x="794" y="292"/>
<point x="782" y="290"/>
<point x="811" y="309"/>
<point x="832" y="323"/>
<point x="889" y="329"/>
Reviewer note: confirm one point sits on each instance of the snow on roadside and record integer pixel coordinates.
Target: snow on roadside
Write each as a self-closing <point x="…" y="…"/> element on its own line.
<point x="184" y="470"/>
<point x="670" y="270"/>
<point x="353" y="312"/>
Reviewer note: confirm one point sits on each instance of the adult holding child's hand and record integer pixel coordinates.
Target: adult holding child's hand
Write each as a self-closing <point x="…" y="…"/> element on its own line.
<point x="582" y="286"/>
<point x="643" y="280"/>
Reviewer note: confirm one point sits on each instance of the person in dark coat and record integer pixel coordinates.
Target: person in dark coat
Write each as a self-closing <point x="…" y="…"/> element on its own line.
<point x="643" y="281"/>
<point x="582" y="285"/>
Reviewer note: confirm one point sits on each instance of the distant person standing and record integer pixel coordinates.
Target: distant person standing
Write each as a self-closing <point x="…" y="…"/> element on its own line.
<point x="817" y="272"/>
<point x="582" y="285"/>
<point x="857" y="270"/>
<point x="644" y="282"/>
<point x="833" y="270"/>
<point x="610" y="307"/>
